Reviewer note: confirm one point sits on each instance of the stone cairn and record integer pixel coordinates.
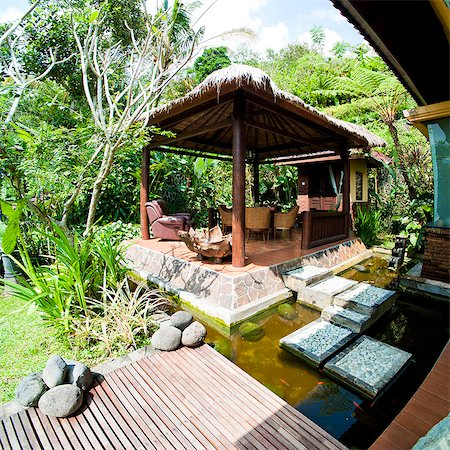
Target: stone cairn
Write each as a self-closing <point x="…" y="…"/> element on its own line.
<point x="58" y="391"/>
<point x="178" y="330"/>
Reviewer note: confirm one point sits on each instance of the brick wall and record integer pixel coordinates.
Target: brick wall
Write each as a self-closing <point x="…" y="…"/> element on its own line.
<point x="436" y="260"/>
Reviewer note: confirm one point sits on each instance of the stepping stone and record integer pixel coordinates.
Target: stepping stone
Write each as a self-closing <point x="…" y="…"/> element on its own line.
<point x="298" y="279"/>
<point x="368" y="366"/>
<point x="347" y="318"/>
<point x="366" y="299"/>
<point x="317" y="341"/>
<point x="321" y="295"/>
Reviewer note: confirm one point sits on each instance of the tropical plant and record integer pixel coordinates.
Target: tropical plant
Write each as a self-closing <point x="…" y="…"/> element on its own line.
<point x="122" y="319"/>
<point x="212" y="59"/>
<point x="367" y="223"/>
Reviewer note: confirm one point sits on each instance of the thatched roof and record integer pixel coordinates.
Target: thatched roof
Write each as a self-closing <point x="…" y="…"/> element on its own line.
<point x="278" y="123"/>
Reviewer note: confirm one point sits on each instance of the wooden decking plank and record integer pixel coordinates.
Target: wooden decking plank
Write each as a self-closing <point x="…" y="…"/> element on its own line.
<point x="175" y="437"/>
<point x="11" y="433"/>
<point x="246" y="382"/>
<point x="227" y="410"/>
<point x="30" y="431"/>
<point x="80" y="421"/>
<point x="290" y="431"/>
<point x="45" y="430"/>
<point x="413" y="423"/>
<point x="20" y="432"/>
<point x="168" y="438"/>
<point x="257" y="419"/>
<point x="4" y="441"/>
<point x="292" y="419"/>
<point x="139" y="415"/>
<point x="207" y="440"/>
<point x="52" y="426"/>
<point x="110" y="419"/>
<point x="124" y="420"/>
<point x="182" y="432"/>
<point x="182" y="394"/>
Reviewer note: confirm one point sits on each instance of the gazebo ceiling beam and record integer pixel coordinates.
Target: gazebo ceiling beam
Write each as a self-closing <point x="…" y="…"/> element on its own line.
<point x="194" y="153"/>
<point x="198" y="131"/>
<point x="296" y="159"/>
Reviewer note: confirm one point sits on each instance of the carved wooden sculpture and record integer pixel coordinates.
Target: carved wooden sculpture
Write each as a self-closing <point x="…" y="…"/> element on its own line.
<point x="207" y="243"/>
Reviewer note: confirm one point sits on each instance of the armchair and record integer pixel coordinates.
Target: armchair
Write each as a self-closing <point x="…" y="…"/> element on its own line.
<point x="165" y="227"/>
<point x="225" y="217"/>
<point x="257" y="220"/>
<point x="285" y="221"/>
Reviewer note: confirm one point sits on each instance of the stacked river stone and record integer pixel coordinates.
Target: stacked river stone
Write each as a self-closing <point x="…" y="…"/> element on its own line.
<point x="58" y="390"/>
<point x="179" y="329"/>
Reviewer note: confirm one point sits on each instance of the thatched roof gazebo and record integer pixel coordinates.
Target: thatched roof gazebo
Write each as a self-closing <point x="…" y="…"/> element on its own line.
<point x="238" y="114"/>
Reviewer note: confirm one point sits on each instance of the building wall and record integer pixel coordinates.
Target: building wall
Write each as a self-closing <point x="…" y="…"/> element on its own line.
<point x="358" y="165"/>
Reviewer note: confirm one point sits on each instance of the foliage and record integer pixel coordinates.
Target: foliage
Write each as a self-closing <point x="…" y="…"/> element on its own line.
<point x="122" y="320"/>
<point x="212" y="59"/>
<point x="368" y="225"/>
<point x="79" y="269"/>
<point x="278" y="186"/>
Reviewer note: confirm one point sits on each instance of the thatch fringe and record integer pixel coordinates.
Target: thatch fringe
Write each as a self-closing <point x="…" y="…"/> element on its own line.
<point x="243" y="75"/>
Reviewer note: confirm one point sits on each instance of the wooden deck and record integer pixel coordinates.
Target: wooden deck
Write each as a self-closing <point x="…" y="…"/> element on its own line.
<point x="188" y="399"/>
<point x="429" y="405"/>
<point x="258" y="253"/>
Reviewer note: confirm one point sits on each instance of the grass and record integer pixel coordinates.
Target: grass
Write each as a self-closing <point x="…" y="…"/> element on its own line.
<point x="26" y="343"/>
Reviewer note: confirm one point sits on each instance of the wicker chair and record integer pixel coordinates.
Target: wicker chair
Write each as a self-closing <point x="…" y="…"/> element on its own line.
<point x="285" y="221"/>
<point x="225" y="217"/>
<point x="257" y="220"/>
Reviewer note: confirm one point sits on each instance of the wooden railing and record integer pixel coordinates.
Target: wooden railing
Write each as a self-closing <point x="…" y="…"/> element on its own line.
<point x="323" y="227"/>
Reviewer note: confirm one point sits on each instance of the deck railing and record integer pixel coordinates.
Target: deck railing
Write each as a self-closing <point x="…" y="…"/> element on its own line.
<point x="323" y="227"/>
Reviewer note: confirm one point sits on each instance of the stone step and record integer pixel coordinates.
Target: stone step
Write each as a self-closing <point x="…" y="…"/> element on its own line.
<point x="368" y="366"/>
<point x="321" y="294"/>
<point x="297" y="279"/>
<point x="347" y="318"/>
<point x="317" y="341"/>
<point x="366" y="299"/>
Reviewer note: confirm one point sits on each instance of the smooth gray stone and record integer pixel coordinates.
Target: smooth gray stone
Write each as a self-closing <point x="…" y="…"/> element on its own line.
<point x="167" y="339"/>
<point x="193" y="335"/>
<point x="30" y="389"/>
<point x="181" y="319"/>
<point x="361" y="268"/>
<point x="79" y="375"/>
<point x="61" y="401"/>
<point x="55" y="371"/>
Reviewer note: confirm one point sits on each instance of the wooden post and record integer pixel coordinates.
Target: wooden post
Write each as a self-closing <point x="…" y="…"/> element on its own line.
<point x="346" y="188"/>
<point x="238" y="148"/>
<point x="306" y="229"/>
<point x="256" y="180"/>
<point x="145" y="166"/>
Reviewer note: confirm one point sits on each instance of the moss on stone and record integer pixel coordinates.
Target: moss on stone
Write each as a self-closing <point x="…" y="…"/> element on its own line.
<point x="251" y="331"/>
<point x="287" y="311"/>
<point x="224" y="347"/>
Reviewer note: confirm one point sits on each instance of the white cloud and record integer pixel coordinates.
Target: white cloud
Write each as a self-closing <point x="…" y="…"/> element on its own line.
<point x="331" y="14"/>
<point x="275" y="37"/>
<point x="226" y="15"/>
<point x="331" y="37"/>
<point x="10" y="14"/>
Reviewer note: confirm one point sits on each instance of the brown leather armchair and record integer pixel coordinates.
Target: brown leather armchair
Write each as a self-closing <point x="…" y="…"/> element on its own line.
<point x="165" y="227"/>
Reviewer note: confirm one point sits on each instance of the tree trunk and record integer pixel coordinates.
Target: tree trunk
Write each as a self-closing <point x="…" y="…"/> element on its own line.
<point x="394" y="134"/>
<point x="105" y="169"/>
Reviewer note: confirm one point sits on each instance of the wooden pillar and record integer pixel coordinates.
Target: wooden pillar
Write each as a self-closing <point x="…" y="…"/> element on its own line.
<point x="238" y="148"/>
<point x="256" y="180"/>
<point x="346" y="188"/>
<point x="145" y="167"/>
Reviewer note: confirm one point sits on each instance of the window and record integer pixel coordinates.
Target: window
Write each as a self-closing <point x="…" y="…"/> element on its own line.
<point x="359" y="186"/>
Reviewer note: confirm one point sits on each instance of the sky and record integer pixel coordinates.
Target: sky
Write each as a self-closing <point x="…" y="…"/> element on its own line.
<point x="276" y="23"/>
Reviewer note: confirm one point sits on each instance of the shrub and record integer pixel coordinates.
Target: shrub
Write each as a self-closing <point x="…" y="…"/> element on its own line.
<point x="368" y="225"/>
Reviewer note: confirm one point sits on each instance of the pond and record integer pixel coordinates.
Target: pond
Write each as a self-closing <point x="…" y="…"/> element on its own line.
<point x="353" y="420"/>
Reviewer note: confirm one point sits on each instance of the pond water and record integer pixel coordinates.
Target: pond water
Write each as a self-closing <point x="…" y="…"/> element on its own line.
<point x="353" y="420"/>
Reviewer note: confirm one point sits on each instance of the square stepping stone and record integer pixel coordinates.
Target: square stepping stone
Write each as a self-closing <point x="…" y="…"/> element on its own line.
<point x="353" y="320"/>
<point x="321" y="295"/>
<point x="366" y="299"/>
<point x="298" y="279"/>
<point x="317" y="341"/>
<point x="367" y="366"/>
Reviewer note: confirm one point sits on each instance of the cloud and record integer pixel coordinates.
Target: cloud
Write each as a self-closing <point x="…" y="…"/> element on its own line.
<point x="331" y="37"/>
<point x="275" y="37"/>
<point x="11" y="14"/>
<point x="331" y="14"/>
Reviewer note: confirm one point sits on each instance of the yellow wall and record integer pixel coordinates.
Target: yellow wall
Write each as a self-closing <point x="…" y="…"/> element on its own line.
<point x="360" y="166"/>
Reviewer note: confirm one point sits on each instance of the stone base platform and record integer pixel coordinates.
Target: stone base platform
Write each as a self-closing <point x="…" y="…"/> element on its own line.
<point x="298" y="279"/>
<point x="317" y="341"/>
<point x="347" y="318"/>
<point x="367" y="366"/>
<point x="321" y="295"/>
<point x="221" y="293"/>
